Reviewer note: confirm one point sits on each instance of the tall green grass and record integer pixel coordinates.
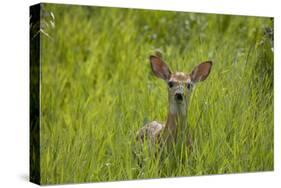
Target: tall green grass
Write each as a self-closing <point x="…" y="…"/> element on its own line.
<point x="97" y="90"/>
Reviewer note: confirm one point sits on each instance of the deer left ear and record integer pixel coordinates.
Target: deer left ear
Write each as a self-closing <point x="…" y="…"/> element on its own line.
<point x="201" y="71"/>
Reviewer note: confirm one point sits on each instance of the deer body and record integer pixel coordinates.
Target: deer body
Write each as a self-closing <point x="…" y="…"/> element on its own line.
<point x="179" y="89"/>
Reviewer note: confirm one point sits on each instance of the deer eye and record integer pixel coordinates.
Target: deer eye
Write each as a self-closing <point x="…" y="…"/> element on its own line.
<point x="170" y="84"/>
<point x="188" y="85"/>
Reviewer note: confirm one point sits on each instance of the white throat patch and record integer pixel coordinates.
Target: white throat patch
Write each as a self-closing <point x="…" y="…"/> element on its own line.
<point x="180" y="108"/>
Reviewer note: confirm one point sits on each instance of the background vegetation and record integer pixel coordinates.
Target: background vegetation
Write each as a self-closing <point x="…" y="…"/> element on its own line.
<point x="97" y="90"/>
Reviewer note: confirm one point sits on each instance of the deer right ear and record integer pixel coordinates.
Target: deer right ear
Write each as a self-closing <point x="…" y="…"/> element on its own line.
<point x="159" y="68"/>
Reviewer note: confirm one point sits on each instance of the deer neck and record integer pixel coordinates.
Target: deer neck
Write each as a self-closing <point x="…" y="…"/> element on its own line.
<point x="176" y="120"/>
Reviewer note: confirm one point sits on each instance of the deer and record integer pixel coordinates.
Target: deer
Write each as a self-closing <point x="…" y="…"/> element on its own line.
<point x="180" y="86"/>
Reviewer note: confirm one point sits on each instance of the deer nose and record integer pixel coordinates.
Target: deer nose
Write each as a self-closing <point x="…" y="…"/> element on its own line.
<point x="178" y="97"/>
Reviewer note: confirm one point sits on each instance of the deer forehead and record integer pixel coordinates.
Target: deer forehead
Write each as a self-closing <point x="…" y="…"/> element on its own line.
<point x="180" y="77"/>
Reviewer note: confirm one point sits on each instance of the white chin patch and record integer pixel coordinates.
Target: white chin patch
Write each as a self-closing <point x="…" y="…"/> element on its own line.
<point x="178" y="107"/>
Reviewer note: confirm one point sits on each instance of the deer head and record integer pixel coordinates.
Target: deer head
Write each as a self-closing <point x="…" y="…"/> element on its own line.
<point x="179" y="84"/>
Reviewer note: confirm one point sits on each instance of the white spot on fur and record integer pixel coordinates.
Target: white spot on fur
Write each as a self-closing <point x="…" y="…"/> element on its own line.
<point x="180" y="74"/>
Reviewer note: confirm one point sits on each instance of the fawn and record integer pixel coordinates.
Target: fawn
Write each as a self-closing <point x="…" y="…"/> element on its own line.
<point x="179" y="89"/>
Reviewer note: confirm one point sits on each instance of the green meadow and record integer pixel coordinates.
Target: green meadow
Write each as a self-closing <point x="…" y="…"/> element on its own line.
<point x="97" y="90"/>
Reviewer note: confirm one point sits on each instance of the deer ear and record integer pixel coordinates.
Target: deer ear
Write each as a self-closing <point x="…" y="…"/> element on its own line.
<point x="159" y="68"/>
<point x="201" y="71"/>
